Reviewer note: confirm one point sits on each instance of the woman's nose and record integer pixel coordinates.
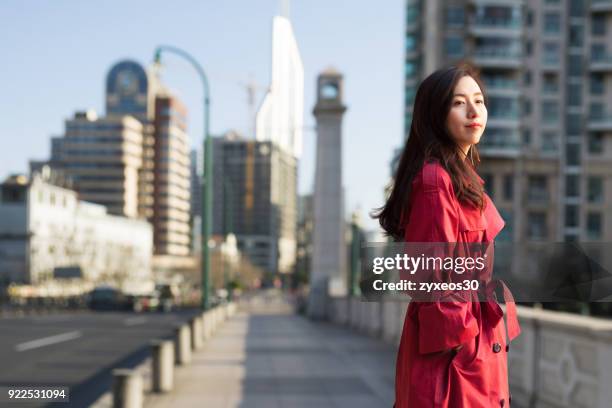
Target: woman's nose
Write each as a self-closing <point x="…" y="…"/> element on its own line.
<point x="472" y="112"/>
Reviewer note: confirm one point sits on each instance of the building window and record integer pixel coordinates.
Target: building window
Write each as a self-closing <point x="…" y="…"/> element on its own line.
<point x="551" y="53"/>
<point x="594" y="222"/>
<point x="529" y="18"/>
<point x="508" y="186"/>
<point x="574" y="92"/>
<point x="572" y="185"/>
<point x="504" y="108"/>
<point x="598" y="24"/>
<point x="575" y="65"/>
<point x="576" y="34"/>
<point x="527" y="77"/>
<point x="488" y="186"/>
<point x="550" y="142"/>
<point x="572" y="152"/>
<point x="454" y="46"/>
<point x="455" y="17"/>
<point x="526" y="107"/>
<point x="410" y="68"/>
<point x="537" y="188"/>
<point x="505" y="235"/>
<point x="528" y="47"/>
<point x="536" y="225"/>
<point x="552" y="23"/>
<point x="550" y="111"/>
<point x="412" y="14"/>
<point x="526" y="137"/>
<point x="573" y="123"/>
<point x="598" y="51"/>
<point x="576" y="8"/>
<point x="409" y="95"/>
<point x="597" y="84"/>
<point x="596" y="110"/>
<point x="595" y="143"/>
<point x="571" y="215"/>
<point x="550" y="83"/>
<point x="411" y="43"/>
<point x="595" y="193"/>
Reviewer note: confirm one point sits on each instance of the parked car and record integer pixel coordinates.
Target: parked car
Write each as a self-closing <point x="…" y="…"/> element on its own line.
<point x="107" y="298"/>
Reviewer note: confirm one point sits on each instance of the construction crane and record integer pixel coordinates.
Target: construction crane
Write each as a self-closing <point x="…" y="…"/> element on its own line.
<point x="252" y="87"/>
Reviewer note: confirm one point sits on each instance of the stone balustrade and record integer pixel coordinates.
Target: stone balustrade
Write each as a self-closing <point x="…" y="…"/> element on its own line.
<point x="559" y="360"/>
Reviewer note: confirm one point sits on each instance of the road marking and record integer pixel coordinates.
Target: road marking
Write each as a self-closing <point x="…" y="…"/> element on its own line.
<point x="132" y="321"/>
<point x="46" y="341"/>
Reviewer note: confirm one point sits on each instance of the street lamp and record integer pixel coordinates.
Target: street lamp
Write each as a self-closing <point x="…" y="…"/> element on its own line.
<point x="207" y="177"/>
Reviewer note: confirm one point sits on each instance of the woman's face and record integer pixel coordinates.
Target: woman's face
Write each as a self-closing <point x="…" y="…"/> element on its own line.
<point x="467" y="117"/>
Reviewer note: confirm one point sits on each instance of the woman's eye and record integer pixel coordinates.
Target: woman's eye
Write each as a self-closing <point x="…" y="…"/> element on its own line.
<point x="480" y="101"/>
<point x="458" y="103"/>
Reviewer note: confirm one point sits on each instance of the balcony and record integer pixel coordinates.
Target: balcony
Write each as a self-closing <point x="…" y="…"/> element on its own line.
<point x="601" y="62"/>
<point x="502" y="87"/>
<point x="509" y="119"/>
<point x="601" y="5"/>
<point x="488" y="26"/>
<point x="501" y="144"/>
<point x="600" y="122"/>
<point x="496" y="57"/>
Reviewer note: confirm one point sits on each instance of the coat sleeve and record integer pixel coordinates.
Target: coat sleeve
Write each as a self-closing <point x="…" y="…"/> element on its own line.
<point x="434" y="218"/>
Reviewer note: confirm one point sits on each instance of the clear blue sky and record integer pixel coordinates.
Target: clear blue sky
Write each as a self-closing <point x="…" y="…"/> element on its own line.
<point x="55" y="56"/>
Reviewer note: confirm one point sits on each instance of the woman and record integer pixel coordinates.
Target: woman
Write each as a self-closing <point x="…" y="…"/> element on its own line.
<point x="451" y="353"/>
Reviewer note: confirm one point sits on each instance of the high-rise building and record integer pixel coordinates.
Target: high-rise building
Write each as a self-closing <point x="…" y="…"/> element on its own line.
<point x="196" y="170"/>
<point x="103" y="156"/>
<point x="255" y="190"/>
<point x="172" y="179"/>
<point x="130" y="90"/>
<point x="135" y="160"/>
<point x="280" y="118"/>
<point x="547" y="150"/>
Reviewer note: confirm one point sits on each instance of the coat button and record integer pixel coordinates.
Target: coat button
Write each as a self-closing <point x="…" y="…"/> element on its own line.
<point x="496" y="348"/>
<point x="507" y="347"/>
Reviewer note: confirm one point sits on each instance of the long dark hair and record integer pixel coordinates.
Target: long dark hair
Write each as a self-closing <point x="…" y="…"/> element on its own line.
<point x="429" y="139"/>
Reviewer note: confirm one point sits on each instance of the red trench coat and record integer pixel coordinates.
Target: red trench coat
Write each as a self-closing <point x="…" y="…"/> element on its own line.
<point x="428" y="372"/>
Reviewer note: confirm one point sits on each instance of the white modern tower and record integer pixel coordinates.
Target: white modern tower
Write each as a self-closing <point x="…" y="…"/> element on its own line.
<point x="281" y="115"/>
<point x="328" y="273"/>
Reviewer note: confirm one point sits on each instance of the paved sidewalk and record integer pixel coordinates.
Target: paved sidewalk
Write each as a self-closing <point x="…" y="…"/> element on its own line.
<point x="265" y="356"/>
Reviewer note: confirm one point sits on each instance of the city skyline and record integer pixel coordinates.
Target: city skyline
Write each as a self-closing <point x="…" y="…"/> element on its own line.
<point x="373" y="72"/>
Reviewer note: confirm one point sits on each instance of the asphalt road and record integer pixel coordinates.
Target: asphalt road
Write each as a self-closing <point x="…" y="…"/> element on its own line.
<point x="76" y="350"/>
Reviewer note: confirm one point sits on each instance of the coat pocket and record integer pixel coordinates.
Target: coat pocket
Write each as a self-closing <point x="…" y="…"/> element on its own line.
<point x="468" y="353"/>
<point x="472" y="225"/>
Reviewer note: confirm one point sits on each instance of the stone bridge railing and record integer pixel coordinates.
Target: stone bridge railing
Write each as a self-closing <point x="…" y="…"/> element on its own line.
<point x="559" y="360"/>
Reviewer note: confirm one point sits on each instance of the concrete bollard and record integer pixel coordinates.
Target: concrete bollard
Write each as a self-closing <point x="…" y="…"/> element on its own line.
<point x="205" y="328"/>
<point x="215" y="319"/>
<point x="195" y="324"/>
<point x="127" y="389"/>
<point x="231" y="309"/>
<point x="210" y="322"/>
<point x="182" y="345"/>
<point x="204" y="323"/>
<point x="163" y="365"/>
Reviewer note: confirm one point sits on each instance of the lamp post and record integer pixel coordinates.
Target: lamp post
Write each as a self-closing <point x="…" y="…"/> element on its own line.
<point x="207" y="178"/>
